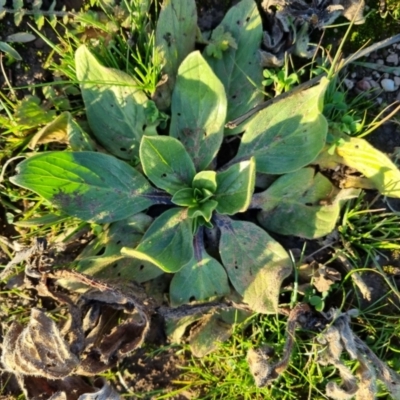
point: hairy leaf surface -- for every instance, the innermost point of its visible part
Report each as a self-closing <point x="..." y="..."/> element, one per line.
<point x="175" y="38"/>
<point x="92" y="186"/>
<point x="302" y="203"/>
<point x="102" y="257"/>
<point x="255" y="262"/>
<point x="166" y="163"/>
<point x="239" y="68"/>
<point x="287" y="135"/>
<point x="198" y="110"/>
<point x="201" y="279"/>
<point x="114" y="105"/>
<point x="235" y="187"/>
<point x="168" y="243"/>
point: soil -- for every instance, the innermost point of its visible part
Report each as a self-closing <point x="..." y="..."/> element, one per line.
<point x="148" y="372"/>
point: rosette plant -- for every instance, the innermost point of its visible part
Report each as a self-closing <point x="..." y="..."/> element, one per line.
<point x="164" y="198"/>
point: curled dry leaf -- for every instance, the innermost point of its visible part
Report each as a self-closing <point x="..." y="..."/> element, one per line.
<point x="38" y="349"/>
<point x="106" y="323"/>
<point x="104" y="347"/>
<point x="325" y="277"/>
<point x="263" y="370"/>
<point x="337" y="337"/>
<point x="291" y="22"/>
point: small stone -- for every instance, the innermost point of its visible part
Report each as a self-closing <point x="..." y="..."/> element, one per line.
<point x="348" y="83"/>
<point x="363" y="85"/>
<point x="353" y="75"/>
<point x="376" y="75"/>
<point x="380" y="61"/>
<point x="396" y="81"/>
<point x="375" y="84"/>
<point x="379" y="100"/>
<point x="388" y="85"/>
<point x="393" y="59"/>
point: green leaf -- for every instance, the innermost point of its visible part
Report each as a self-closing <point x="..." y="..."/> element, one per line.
<point x="19" y="11"/>
<point x="6" y="48"/>
<point x="114" y="105"/>
<point x="287" y="135"/>
<point x="205" y="180"/>
<point x="168" y="243"/>
<point x="63" y="129"/>
<point x="235" y="187"/>
<point x="175" y="38"/>
<point x="92" y="186"/>
<point x="256" y="263"/>
<point x="357" y="153"/>
<point x="20" y="37"/>
<point x="102" y="257"/>
<point x="201" y="279"/>
<point x="239" y="68"/>
<point x="184" y="198"/>
<point x="166" y="163"/>
<point x="302" y="203"/>
<point x="198" y="110"/>
<point x="203" y="210"/>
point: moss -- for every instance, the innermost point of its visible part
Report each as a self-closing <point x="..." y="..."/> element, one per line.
<point x="374" y="29"/>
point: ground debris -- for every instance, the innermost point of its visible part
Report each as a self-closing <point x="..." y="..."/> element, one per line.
<point x="337" y="337"/>
<point x="263" y="370"/>
<point x="289" y="24"/>
<point x="103" y="325"/>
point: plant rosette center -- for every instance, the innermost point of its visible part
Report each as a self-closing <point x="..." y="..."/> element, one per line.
<point x="199" y="199"/>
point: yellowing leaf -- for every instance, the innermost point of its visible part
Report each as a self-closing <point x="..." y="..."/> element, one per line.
<point x="373" y="164"/>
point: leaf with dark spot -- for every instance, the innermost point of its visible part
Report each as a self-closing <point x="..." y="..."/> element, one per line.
<point x="92" y="186"/>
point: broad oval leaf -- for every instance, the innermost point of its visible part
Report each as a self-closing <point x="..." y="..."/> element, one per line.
<point x="205" y="180"/>
<point x="198" y="110"/>
<point x="102" y="257"/>
<point x="166" y="163"/>
<point x="357" y="153"/>
<point x="168" y="243"/>
<point x="20" y="37"/>
<point x="114" y="105"/>
<point x="287" y="135"/>
<point x="184" y="198"/>
<point x="302" y="203"/>
<point x="175" y="38"/>
<point x="92" y="186"/>
<point x="235" y="187"/>
<point x="255" y="262"/>
<point x="240" y="69"/>
<point x="201" y="279"/>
